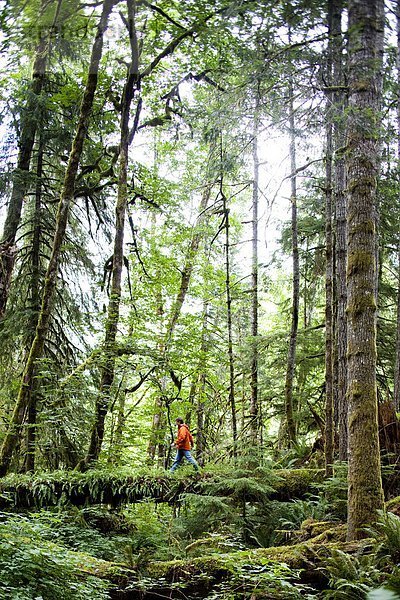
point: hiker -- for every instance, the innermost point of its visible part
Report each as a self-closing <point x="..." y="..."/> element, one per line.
<point x="183" y="443"/>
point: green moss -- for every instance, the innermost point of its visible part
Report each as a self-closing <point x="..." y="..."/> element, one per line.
<point x="363" y="186"/>
<point x="366" y="227"/>
<point x="299" y="556"/>
<point x="359" y="261"/>
<point x="361" y="304"/>
<point x="294" y="483"/>
<point x="393" y="505"/>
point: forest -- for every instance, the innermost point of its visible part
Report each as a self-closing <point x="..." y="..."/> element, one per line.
<point x="199" y="230"/>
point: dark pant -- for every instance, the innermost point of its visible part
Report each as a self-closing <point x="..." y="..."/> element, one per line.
<point x="180" y="455"/>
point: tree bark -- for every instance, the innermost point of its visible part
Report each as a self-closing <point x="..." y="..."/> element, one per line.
<point x="340" y="202"/>
<point x="365" y="496"/>
<point x="329" y="426"/>
<point x="396" y="391"/>
<point x="231" y="357"/>
<point x="200" y="408"/>
<point x="291" y="359"/>
<point x="108" y="367"/>
<point x="254" y="408"/>
<point x="66" y="198"/>
<point x="35" y="310"/>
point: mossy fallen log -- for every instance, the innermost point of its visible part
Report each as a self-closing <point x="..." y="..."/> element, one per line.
<point x="198" y="576"/>
<point x="99" y="487"/>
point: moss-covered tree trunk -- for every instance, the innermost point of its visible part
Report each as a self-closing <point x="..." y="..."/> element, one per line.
<point x="362" y="162"/>
<point x="291" y="358"/>
<point x="111" y="327"/>
<point x="66" y="198"/>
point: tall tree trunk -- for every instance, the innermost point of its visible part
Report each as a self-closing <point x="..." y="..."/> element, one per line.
<point x="35" y="310"/>
<point x="21" y="180"/>
<point x="366" y="23"/>
<point x="200" y="409"/>
<point x="158" y="421"/>
<point x="66" y="198"/>
<point x="340" y="202"/>
<point x="291" y="359"/>
<point x="231" y="358"/>
<point x="254" y="416"/>
<point x="396" y="393"/>
<point x="108" y="366"/>
<point x="329" y="426"/>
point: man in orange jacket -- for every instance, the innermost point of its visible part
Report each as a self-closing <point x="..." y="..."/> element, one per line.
<point x="183" y="443"/>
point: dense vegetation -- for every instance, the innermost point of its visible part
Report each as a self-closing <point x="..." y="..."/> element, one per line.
<point x="199" y="211"/>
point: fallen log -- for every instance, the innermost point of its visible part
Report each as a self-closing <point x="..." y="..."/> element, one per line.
<point x="197" y="577"/>
<point x="103" y="487"/>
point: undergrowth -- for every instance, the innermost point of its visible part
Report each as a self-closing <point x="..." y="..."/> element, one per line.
<point x="31" y="568"/>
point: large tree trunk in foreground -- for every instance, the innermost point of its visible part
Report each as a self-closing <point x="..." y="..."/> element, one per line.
<point x="365" y="495"/>
<point x="66" y="198"/>
<point x="108" y="366"/>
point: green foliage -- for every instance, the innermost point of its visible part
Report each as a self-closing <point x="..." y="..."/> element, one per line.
<point x="335" y="490"/>
<point x="30" y="567"/>
<point x="351" y="577"/>
<point x="300" y="510"/>
<point x="386" y="531"/>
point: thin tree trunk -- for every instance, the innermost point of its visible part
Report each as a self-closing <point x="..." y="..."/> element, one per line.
<point x="158" y="422"/>
<point x="66" y="198"/>
<point x="158" y="417"/>
<point x="108" y="367"/>
<point x="20" y="182"/>
<point x="329" y="426"/>
<point x="365" y="496"/>
<point x="396" y="393"/>
<point x="200" y="409"/>
<point x="189" y="263"/>
<point x="254" y="416"/>
<point x="291" y="359"/>
<point x="231" y="358"/>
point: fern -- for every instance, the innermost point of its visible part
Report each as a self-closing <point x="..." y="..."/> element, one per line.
<point x="387" y="533"/>
<point x="351" y="577"/>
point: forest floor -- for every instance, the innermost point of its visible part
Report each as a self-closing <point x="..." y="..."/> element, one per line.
<point x="223" y="535"/>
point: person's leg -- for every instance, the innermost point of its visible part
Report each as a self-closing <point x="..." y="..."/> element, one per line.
<point x="190" y="459"/>
<point x="178" y="459"/>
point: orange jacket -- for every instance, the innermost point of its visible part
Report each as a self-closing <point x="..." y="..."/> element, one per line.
<point x="184" y="440"/>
